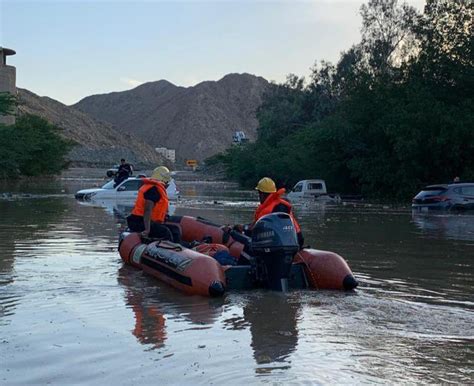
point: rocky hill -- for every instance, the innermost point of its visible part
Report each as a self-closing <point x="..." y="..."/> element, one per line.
<point x="99" y="143"/>
<point x="196" y="121"/>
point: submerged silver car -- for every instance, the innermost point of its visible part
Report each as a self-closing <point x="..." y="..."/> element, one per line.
<point x="458" y="196"/>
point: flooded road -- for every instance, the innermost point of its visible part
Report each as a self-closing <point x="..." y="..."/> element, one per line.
<point x="71" y="313"/>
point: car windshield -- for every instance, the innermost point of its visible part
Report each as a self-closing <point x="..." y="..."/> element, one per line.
<point x="109" y="185"/>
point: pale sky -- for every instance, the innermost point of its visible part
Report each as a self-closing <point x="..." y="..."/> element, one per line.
<point x="70" y="49"/>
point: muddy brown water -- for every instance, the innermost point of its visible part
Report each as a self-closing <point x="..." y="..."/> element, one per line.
<point x="71" y="313"/>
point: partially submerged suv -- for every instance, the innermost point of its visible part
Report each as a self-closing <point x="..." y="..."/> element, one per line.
<point x="127" y="189"/>
<point x="458" y="196"/>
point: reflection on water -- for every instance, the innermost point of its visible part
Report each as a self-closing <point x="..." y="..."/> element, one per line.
<point x="152" y="303"/>
<point x="274" y="337"/>
<point x="446" y="226"/>
<point x="118" y="208"/>
<point x="68" y="303"/>
<point x="150" y="321"/>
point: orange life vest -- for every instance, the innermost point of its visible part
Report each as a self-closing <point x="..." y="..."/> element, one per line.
<point x="161" y="207"/>
<point x="269" y="204"/>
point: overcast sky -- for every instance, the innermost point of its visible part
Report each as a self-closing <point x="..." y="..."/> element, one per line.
<point x="70" y="49"/>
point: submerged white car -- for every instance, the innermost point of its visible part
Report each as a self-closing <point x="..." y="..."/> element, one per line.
<point x="126" y="190"/>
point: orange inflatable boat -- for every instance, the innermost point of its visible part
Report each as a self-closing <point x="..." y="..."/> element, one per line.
<point x="220" y="261"/>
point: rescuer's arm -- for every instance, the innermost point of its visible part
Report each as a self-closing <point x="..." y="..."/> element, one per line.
<point x="152" y="196"/>
<point x="147" y="217"/>
<point x="300" y="239"/>
<point x="247" y="228"/>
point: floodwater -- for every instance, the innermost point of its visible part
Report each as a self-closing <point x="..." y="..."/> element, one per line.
<point x="71" y="313"/>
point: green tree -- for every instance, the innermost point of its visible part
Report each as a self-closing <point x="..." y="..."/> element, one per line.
<point x="282" y="111"/>
<point x="45" y="149"/>
<point x="387" y="34"/>
<point x="32" y="147"/>
<point x="393" y="114"/>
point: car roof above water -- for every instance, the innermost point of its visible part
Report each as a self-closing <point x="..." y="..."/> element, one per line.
<point x="447" y="186"/>
<point x="436" y="187"/>
<point x="462" y="184"/>
<point x="310" y="181"/>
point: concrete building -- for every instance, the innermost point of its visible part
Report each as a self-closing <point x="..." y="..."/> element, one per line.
<point x="169" y="154"/>
<point x="7" y="81"/>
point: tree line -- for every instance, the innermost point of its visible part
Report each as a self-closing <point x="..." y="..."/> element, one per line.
<point x="30" y="147"/>
<point x="393" y="114"/>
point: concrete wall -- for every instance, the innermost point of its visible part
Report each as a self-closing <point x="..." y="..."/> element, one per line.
<point x="7" y="84"/>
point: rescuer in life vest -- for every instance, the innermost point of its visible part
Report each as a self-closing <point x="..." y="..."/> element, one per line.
<point x="271" y="201"/>
<point x="151" y="207"/>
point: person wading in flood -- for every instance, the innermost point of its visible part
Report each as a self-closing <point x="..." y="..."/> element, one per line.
<point x="271" y="201"/>
<point x="151" y="207"/>
<point x="124" y="171"/>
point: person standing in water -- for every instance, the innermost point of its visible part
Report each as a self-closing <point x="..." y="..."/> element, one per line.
<point x="124" y="171"/>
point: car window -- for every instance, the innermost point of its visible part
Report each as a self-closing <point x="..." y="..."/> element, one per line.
<point x="315" y="186"/>
<point x="468" y="190"/>
<point x="132" y="185"/>
<point x="435" y="187"/>
<point x="109" y="185"/>
<point x="434" y="190"/>
<point x="298" y="188"/>
<point x="457" y="190"/>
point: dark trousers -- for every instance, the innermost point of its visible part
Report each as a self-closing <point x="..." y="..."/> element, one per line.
<point x="119" y="179"/>
<point x="157" y="230"/>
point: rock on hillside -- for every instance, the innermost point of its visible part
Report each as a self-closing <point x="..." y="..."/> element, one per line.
<point x="196" y="121"/>
<point x="99" y="143"/>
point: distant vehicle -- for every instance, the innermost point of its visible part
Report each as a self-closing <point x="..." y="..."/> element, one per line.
<point x="311" y="189"/>
<point x="128" y="189"/>
<point x="239" y="138"/>
<point x="458" y="196"/>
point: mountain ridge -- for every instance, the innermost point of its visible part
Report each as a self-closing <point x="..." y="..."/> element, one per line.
<point x="167" y="82"/>
<point x="197" y="121"/>
<point x="98" y="143"/>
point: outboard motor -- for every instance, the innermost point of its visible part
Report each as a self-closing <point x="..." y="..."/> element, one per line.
<point x="274" y="244"/>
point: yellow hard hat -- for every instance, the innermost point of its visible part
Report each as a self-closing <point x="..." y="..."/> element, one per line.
<point x="161" y="173"/>
<point x="266" y="185"/>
